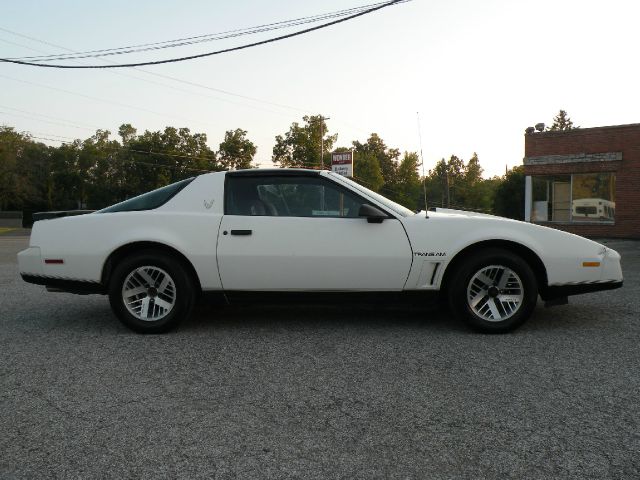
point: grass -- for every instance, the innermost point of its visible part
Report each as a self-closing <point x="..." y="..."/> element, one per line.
<point x="6" y="229"/>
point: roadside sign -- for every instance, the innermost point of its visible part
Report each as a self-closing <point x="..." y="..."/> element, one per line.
<point x="342" y="163"/>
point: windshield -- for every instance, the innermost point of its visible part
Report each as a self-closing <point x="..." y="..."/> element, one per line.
<point x="396" y="207"/>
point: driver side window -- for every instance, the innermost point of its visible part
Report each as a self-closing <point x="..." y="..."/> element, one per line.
<point x="289" y="196"/>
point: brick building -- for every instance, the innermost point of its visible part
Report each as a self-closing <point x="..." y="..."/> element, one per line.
<point x="585" y="181"/>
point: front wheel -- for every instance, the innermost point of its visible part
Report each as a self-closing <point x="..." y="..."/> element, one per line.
<point x="494" y="291"/>
<point x="151" y="292"/>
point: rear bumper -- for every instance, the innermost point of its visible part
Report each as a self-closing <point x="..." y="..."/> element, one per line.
<point x="30" y="261"/>
<point x="560" y="291"/>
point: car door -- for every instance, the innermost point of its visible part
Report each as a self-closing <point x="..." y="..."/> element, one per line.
<point x="302" y="233"/>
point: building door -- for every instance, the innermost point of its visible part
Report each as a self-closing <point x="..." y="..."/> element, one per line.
<point x="561" y="202"/>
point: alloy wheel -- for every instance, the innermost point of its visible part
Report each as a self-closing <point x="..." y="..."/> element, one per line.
<point x="149" y="293"/>
<point x="495" y="293"/>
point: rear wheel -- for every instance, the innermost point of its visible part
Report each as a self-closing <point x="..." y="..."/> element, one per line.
<point x="151" y="292"/>
<point x="494" y="291"/>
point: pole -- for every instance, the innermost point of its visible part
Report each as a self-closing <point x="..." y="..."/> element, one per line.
<point x="322" y="119"/>
<point x="424" y="177"/>
<point x="321" y="146"/>
<point x="446" y="176"/>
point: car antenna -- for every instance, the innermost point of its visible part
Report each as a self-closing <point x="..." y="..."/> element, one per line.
<point x="424" y="178"/>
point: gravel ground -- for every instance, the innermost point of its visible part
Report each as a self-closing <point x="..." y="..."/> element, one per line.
<point x="317" y="392"/>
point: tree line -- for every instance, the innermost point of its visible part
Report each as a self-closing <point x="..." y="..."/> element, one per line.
<point x="452" y="183"/>
<point x="102" y="170"/>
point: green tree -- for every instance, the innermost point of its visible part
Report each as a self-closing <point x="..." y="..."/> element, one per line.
<point x="11" y="147"/>
<point x="23" y="167"/>
<point x="99" y="170"/>
<point x="561" y="122"/>
<point x="476" y="193"/>
<point x="456" y="174"/>
<point x="127" y="133"/>
<point x="473" y="170"/>
<point x="154" y="159"/>
<point x="449" y="177"/>
<point x="454" y="184"/>
<point x="408" y="184"/>
<point x="63" y="176"/>
<point x="509" y="194"/>
<point x="236" y="150"/>
<point x="302" y="144"/>
<point x="101" y="157"/>
<point x="387" y="159"/>
<point x="366" y="170"/>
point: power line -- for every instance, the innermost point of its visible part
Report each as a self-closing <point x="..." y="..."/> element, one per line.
<point x="198" y="39"/>
<point x="49" y="134"/>
<point x="43" y="138"/>
<point x="208" y="54"/>
<point x="18" y="44"/>
<point x="226" y="92"/>
<point x="168" y="77"/>
<point x="70" y="122"/>
<point x="30" y="116"/>
<point x="186" y="82"/>
<point x="112" y="102"/>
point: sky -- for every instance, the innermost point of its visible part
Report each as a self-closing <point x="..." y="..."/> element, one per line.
<point x="451" y="76"/>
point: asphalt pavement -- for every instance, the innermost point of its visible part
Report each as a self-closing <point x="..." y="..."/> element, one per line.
<point x="318" y="392"/>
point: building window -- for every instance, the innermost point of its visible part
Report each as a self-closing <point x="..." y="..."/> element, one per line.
<point x="593" y="197"/>
<point x="577" y="198"/>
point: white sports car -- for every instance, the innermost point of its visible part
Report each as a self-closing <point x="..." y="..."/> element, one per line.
<point x="286" y="231"/>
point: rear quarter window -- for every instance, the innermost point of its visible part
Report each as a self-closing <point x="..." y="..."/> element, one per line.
<point x="149" y="200"/>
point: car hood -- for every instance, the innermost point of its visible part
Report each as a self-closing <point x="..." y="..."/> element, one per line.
<point x="467" y="224"/>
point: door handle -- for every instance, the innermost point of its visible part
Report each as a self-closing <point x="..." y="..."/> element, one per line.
<point x="241" y="232"/>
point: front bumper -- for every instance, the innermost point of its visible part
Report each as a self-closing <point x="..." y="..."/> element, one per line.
<point x="584" y="278"/>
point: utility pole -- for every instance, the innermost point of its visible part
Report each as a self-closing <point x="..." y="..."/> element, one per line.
<point x="322" y="119"/>
<point x="448" y="191"/>
<point x="424" y="177"/>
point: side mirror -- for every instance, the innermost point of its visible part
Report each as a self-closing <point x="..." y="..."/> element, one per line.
<point x="373" y="214"/>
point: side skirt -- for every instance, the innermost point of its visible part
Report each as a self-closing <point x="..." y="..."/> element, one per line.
<point x="411" y="298"/>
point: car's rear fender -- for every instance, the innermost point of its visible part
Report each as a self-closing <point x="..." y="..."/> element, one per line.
<point x="145" y="246"/>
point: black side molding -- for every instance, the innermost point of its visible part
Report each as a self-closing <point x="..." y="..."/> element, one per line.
<point x="416" y="298"/>
<point x="70" y="286"/>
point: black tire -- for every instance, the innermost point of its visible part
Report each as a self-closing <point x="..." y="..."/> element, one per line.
<point x="168" y="302"/>
<point x="493" y="309"/>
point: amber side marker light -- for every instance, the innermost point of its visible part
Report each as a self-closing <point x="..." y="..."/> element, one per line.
<point x="590" y="264"/>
